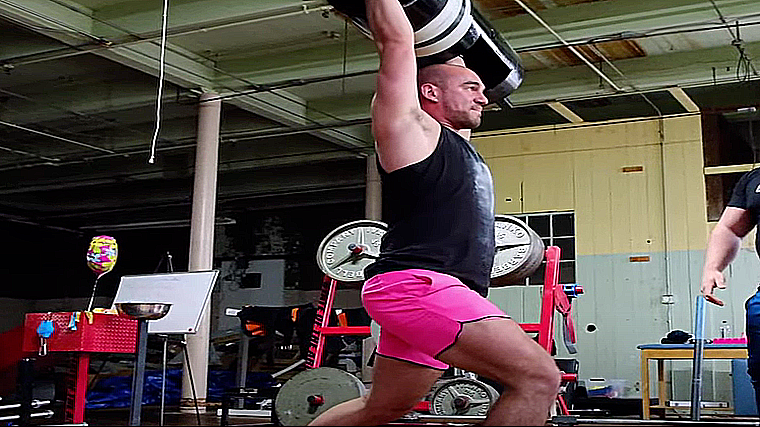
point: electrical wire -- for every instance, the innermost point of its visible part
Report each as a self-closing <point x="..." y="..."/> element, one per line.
<point x="161" y="70"/>
<point x="744" y="67"/>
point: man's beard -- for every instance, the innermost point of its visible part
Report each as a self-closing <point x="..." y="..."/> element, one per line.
<point x="464" y="120"/>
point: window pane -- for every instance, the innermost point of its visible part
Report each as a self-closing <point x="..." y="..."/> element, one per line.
<point x="539" y="224"/>
<point x="567" y="272"/>
<point x="537" y="278"/>
<point x="567" y="245"/>
<point x="563" y="225"/>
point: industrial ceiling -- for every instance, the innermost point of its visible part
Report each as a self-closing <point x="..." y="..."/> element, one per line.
<point x="79" y="85"/>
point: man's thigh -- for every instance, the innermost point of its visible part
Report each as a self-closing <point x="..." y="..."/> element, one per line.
<point x="399" y="385"/>
<point x="497" y="348"/>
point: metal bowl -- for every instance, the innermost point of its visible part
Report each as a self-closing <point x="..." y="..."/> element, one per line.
<point x="143" y="310"/>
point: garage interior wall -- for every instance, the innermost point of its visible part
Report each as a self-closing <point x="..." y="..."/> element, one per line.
<point x="637" y="190"/>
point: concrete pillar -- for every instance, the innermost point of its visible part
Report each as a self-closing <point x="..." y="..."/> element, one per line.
<point x="373" y="205"/>
<point x="202" y="244"/>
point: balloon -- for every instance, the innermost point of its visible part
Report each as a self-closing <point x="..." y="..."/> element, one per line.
<point x="101" y="257"/>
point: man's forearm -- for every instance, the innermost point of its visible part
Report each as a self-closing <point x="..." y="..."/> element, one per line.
<point x="722" y="249"/>
<point x="389" y="23"/>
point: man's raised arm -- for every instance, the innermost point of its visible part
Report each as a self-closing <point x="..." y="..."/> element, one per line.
<point x="397" y="118"/>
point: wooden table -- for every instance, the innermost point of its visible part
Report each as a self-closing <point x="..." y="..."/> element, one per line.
<point x="663" y="352"/>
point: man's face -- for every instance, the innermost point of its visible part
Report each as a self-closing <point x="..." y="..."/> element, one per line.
<point x="462" y="98"/>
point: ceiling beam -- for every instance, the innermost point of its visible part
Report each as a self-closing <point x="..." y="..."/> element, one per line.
<point x="183" y="68"/>
<point x="565" y="112"/>
<point x="684" y="99"/>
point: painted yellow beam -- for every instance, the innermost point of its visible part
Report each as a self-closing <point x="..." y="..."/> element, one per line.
<point x="565" y="112"/>
<point x="718" y="170"/>
<point x="684" y="99"/>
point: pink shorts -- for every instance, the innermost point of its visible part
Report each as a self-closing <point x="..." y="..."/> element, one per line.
<point x="421" y="313"/>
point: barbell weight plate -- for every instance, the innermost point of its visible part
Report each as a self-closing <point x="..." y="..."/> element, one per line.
<point x="348" y="249"/>
<point x="462" y="396"/>
<point x="302" y="398"/>
<point x="519" y="251"/>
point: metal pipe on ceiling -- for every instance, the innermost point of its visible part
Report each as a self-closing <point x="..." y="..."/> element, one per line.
<point x="227" y="137"/>
<point x="51" y="160"/>
<point x="77" y="114"/>
<point x="607" y="61"/>
<point x="59" y="138"/>
<point x="568" y="45"/>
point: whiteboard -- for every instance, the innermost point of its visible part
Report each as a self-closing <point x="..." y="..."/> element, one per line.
<point x="187" y="292"/>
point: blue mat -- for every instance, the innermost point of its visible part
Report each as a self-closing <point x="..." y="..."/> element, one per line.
<point x="116" y="392"/>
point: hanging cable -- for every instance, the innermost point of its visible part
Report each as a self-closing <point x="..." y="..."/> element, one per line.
<point x="744" y="67"/>
<point x="161" y="70"/>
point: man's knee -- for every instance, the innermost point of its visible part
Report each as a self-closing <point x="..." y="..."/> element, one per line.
<point x="540" y="377"/>
<point x="387" y="412"/>
<point x="546" y="377"/>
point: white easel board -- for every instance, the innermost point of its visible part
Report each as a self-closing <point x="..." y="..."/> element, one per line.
<point x="188" y="294"/>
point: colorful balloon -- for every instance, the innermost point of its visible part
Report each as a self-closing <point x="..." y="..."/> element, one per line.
<point x="101" y="257"/>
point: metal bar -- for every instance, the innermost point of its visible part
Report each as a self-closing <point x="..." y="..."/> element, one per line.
<point x="242" y="374"/>
<point x="33" y="404"/>
<point x="345" y="330"/>
<point x="46" y="414"/>
<point x="26" y="381"/>
<point x="70" y="141"/>
<point x="163" y="378"/>
<point x="699" y="353"/>
<point x="289" y="368"/>
<point x="138" y="373"/>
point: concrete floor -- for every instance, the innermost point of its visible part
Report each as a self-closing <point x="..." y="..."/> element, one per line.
<point x="150" y="416"/>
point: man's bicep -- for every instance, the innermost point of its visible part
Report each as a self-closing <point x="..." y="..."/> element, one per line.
<point x="737" y="220"/>
<point x="396" y="89"/>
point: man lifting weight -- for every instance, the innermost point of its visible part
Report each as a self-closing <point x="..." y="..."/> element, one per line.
<point x="427" y="290"/>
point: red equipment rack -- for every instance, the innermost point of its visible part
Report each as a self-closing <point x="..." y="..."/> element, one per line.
<point x="555" y="296"/>
<point x="94" y="333"/>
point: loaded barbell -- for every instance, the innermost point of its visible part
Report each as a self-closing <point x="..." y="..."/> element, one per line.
<point x="445" y="29"/>
<point x="348" y="249"/>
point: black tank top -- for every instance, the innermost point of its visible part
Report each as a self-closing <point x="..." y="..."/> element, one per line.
<point x="440" y="215"/>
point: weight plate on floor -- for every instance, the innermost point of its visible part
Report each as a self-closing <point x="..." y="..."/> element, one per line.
<point x="519" y="251"/>
<point x="462" y="396"/>
<point x="302" y="398"/>
<point x="347" y="250"/>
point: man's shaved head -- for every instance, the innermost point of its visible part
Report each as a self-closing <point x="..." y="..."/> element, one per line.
<point x="452" y="93"/>
<point x="437" y="74"/>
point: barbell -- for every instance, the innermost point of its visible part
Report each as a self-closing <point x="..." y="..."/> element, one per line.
<point x="348" y="249"/>
<point x="445" y="29"/>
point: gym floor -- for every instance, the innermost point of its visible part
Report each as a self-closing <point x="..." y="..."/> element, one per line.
<point x="150" y="417"/>
<point x="172" y="417"/>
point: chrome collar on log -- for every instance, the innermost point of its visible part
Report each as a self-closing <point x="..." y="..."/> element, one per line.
<point x="444" y="29"/>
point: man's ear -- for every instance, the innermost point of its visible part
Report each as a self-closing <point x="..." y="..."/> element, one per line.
<point x="429" y="91"/>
